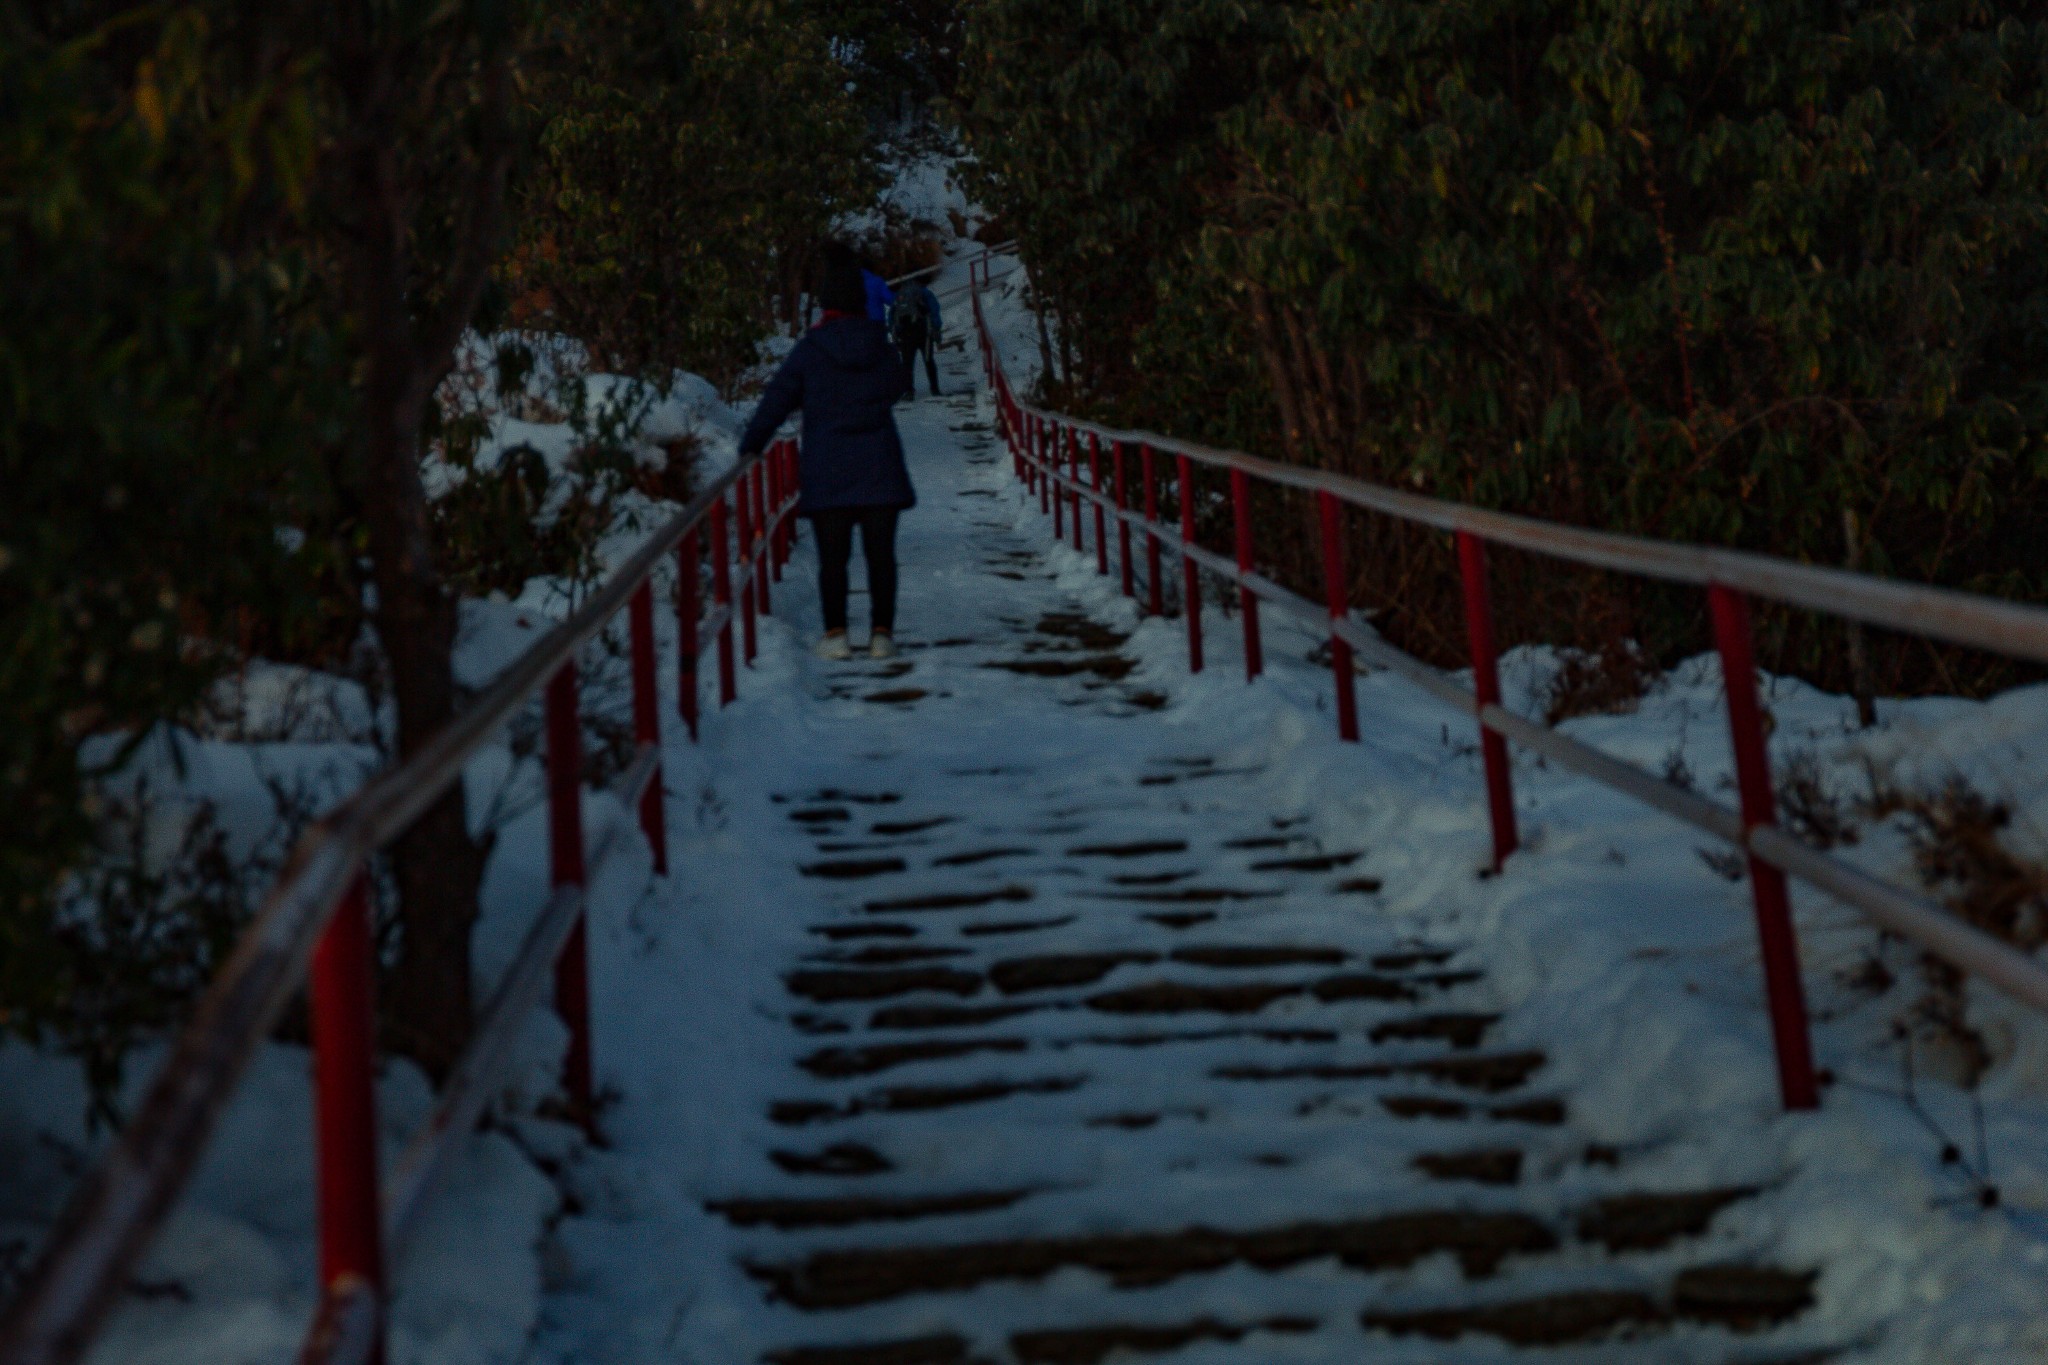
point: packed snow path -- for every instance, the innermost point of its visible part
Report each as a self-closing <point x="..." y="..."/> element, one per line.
<point x="1016" y="1020"/>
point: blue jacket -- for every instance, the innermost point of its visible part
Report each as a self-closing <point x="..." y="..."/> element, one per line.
<point x="880" y="296"/>
<point x="931" y="306"/>
<point x="845" y="378"/>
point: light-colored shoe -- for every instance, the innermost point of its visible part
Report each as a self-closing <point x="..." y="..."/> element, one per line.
<point x="882" y="646"/>
<point x="834" y="649"/>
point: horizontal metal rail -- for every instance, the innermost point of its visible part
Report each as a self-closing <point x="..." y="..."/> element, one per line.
<point x="118" y="1205"/>
<point x="1005" y="249"/>
<point x="2010" y="628"/>
<point x="427" y="1157"/>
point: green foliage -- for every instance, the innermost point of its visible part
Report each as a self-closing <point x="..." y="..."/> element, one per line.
<point x="162" y="383"/>
<point x="146" y="924"/>
<point x="687" y="161"/>
<point x="242" y="243"/>
<point x="899" y="54"/>
<point x="510" y="517"/>
<point x="1706" y="271"/>
<point x="1094" y="133"/>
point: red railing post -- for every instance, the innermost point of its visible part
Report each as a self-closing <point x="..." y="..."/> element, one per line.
<point x="1247" y="600"/>
<point x="1190" y="573"/>
<point x="792" y="492"/>
<point x="1073" y="449"/>
<point x="1006" y="415"/>
<point x="689" y="603"/>
<point x="771" y="520"/>
<point x="743" y="557"/>
<point x="1101" y="520"/>
<point x="1493" y="749"/>
<point x="791" y="496"/>
<point x="344" y="1024"/>
<point x="1054" y="435"/>
<point x="774" y="474"/>
<point x="1337" y="593"/>
<point x="1123" y="527"/>
<point x="565" y="868"/>
<point x="1783" y="989"/>
<point x="757" y="484"/>
<point x="1155" y="591"/>
<point x="721" y="596"/>
<point x="647" y="720"/>
<point x="1039" y="469"/>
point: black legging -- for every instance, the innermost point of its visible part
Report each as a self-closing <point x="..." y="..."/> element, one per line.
<point x="915" y="342"/>
<point x="834" y="528"/>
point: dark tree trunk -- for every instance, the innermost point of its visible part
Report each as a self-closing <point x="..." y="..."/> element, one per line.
<point x="437" y="865"/>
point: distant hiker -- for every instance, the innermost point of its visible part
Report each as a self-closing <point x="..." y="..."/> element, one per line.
<point x="845" y="377"/>
<point x="914" y="322"/>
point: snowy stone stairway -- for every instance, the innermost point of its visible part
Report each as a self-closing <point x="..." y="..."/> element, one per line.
<point x="1128" y="1114"/>
<point x="1027" y="1016"/>
<point x="1093" y="1053"/>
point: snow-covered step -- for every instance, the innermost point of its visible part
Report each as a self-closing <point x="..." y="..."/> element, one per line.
<point x="1055" y="1024"/>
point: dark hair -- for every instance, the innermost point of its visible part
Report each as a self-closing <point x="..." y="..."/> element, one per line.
<point x="841" y="288"/>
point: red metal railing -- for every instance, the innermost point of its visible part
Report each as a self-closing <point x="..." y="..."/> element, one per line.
<point x="314" y="930"/>
<point x="1728" y="577"/>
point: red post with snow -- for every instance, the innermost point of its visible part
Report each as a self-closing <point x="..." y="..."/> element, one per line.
<point x="1123" y="527"/>
<point x="1337" y="594"/>
<point x="1095" y="482"/>
<point x="1783" y="990"/>
<point x="743" y="557"/>
<point x="1247" y="600"/>
<point x="689" y="601"/>
<point x="647" y="719"/>
<point x="1073" y="452"/>
<point x="1040" y="475"/>
<point x="1155" y="591"/>
<point x="1493" y="749"/>
<point x="344" y="1020"/>
<point x="721" y="598"/>
<point x="757" y="552"/>
<point x="1190" y="573"/>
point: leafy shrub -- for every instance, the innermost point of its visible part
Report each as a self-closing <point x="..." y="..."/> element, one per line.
<point x="169" y="395"/>
<point x="688" y="161"/>
<point x="1695" y="270"/>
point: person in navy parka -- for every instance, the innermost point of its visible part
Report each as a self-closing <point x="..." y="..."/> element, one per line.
<point x="845" y="377"/>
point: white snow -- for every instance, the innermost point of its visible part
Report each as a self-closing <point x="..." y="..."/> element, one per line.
<point x="1609" y="943"/>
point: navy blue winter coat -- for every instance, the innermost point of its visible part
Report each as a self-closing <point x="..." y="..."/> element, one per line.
<point x="845" y="378"/>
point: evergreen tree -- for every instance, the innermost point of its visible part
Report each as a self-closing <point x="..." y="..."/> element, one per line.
<point x="169" y="392"/>
<point x="1688" y="269"/>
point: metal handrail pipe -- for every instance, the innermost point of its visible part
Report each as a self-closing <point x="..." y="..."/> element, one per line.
<point x="2005" y="627"/>
<point x="119" y="1204"/>
<point x="1926" y="924"/>
<point x="108" y="1221"/>
<point x="419" y="1169"/>
<point x="2023" y="978"/>
<point x="1005" y="249"/>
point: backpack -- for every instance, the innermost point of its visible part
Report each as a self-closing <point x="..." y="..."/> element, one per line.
<point x="906" y="315"/>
